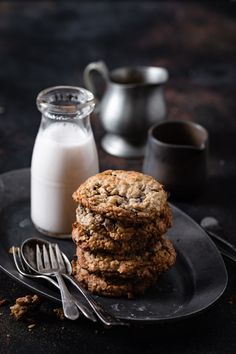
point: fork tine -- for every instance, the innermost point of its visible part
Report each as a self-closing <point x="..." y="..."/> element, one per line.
<point x="53" y="257"/>
<point x="18" y="260"/>
<point x="14" y="253"/>
<point x="39" y="261"/>
<point x="46" y="260"/>
<point x="60" y="259"/>
<point x="21" y="260"/>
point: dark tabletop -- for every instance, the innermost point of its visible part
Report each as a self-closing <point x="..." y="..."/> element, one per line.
<point x="48" y="43"/>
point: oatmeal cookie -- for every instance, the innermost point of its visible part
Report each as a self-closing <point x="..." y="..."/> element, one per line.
<point x="113" y="287"/>
<point x="124" y="195"/>
<point x="95" y="242"/>
<point x="158" y="260"/>
<point x="121" y="230"/>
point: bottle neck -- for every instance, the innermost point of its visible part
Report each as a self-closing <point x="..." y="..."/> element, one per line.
<point x="65" y="103"/>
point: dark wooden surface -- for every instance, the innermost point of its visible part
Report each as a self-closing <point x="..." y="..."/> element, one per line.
<point x="47" y="43"/>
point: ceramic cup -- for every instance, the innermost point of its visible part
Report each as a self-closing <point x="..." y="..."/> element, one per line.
<point x="176" y="155"/>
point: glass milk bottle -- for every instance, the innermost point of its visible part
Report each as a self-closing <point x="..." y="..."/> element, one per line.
<point x="64" y="155"/>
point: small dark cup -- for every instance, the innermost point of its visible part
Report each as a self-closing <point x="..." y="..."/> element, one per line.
<point x="176" y="155"/>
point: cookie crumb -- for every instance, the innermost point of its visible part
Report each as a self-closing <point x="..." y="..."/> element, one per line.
<point x="31" y="326"/>
<point x="232" y="300"/>
<point x="3" y="302"/>
<point x="59" y="313"/>
<point x="10" y="250"/>
<point x="24" y="306"/>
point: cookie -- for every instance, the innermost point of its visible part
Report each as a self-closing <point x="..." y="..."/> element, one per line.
<point x="95" y="242"/>
<point x="124" y="195"/>
<point x="100" y="285"/>
<point x="157" y="260"/>
<point x="121" y="230"/>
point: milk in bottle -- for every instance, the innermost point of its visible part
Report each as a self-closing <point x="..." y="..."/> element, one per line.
<point x="64" y="155"/>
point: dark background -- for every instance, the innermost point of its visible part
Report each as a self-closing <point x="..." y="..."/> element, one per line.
<point x="46" y="43"/>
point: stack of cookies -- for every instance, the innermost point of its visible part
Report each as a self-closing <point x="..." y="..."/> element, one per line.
<point x="121" y="220"/>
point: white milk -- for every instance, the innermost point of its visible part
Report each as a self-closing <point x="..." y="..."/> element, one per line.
<point x="63" y="157"/>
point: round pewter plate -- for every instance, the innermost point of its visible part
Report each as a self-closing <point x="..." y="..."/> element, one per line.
<point x="196" y="281"/>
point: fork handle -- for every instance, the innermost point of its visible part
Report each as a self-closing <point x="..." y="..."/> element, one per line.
<point x="85" y="310"/>
<point x="107" y="318"/>
<point x="68" y="304"/>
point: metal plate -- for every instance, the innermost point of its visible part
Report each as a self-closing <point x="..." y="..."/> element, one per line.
<point x="196" y="281"/>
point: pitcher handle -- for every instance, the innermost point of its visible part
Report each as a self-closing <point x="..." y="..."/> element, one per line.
<point x="101" y="68"/>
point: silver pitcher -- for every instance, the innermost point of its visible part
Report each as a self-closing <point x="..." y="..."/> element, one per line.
<point x="133" y="101"/>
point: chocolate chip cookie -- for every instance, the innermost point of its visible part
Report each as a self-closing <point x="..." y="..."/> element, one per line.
<point x="157" y="260"/>
<point x="123" y="195"/>
<point x="91" y="241"/>
<point x="121" y="219"/>
<point x="120" y="230"/>
<point x="113" y="287"/>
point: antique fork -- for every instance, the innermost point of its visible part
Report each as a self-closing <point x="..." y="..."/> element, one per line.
<point x="26" y="271"/>
<point x="59" y="265"/>
<point x="47" y="264"/>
